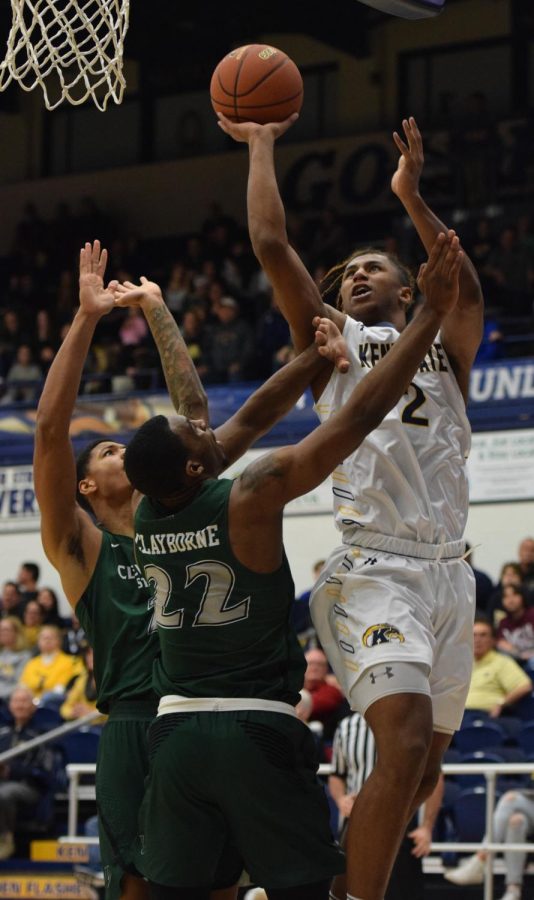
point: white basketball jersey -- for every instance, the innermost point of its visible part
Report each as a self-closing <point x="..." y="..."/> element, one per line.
<point x="408" y="478"/>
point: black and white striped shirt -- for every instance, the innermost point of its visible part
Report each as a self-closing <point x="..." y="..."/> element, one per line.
<point x="353" y="752"/>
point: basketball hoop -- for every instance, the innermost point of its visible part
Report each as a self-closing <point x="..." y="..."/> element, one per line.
<point x="73" y="49"/>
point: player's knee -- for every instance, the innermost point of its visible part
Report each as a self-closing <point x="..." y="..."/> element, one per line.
<point x="427" y="785"/>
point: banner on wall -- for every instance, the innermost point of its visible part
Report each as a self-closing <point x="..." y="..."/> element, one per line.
<point x="501" y="466"/>
<point x="18" y="506"/>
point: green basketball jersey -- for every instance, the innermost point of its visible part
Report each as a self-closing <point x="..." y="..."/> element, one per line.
<point x="224" y="631"/>
<point x="116" y="611"/>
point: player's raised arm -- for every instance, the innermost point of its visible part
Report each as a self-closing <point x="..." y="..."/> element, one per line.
<point x="70" y="539"/>
<point x="274" y="399"/>
<point x="296" y="292"/>
<point x="461" y="331"/>
<point x="185" y="388"/>
<point x="290" y="472"/>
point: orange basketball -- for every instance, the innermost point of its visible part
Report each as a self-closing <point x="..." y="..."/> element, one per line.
<point x="256" y="83"/>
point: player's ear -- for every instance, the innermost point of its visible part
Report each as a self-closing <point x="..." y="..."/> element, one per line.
<point x="193" y="468"/>
<point x="86" y="487"/>
<point x="405" y="297"/>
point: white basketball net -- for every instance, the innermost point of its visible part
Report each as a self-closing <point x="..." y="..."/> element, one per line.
<point x="73" y="49"/>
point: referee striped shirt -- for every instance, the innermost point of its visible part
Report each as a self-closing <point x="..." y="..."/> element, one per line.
<point x="353" y="752"/>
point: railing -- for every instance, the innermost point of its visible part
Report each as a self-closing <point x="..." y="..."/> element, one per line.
<point x="490" y="772"/>
<point x="49" y="736"/>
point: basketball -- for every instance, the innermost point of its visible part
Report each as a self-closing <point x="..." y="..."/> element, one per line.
<point x="256" y="83"/>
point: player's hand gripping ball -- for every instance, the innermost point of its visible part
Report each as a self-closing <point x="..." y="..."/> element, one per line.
<point x="256" y="83"/>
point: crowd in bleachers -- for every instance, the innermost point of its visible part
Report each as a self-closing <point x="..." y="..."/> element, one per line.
<point x="218" y="294"/>
<point x="46" y="679"/>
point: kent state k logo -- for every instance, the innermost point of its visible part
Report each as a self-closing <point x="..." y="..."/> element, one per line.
<point x="381" y="634"/>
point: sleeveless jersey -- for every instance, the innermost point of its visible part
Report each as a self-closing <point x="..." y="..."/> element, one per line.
<point x="116" y="613"/>
<point x="224" y="630"/>
<point x="408" y="478"/>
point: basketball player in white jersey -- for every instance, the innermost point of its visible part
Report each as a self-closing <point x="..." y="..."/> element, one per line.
<point x="394" y="605"/>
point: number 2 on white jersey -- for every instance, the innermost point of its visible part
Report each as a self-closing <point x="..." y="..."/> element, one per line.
<point x="408" y="416"/>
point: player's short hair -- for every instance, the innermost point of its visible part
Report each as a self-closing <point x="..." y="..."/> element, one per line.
<point x="155" y="459"/>
<point x="330" y="284"/>
<point x="82" y="468"/>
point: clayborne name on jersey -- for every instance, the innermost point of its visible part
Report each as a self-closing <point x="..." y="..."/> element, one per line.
<point x="177" y="542"/>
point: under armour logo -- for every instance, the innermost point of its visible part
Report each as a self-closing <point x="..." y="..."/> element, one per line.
<point x="388" y="672"/>
<point x="371" y="560"/>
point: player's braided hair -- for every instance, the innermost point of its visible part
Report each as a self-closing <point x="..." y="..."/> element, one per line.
<point x="330" y="284"/>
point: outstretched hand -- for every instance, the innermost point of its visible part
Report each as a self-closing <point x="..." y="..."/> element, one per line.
<point x="94" y="297"/>
<point x="330" y="343"/>
<point x="405" y="181"/>
<point x="245" y="131"/>
<point x="438" y="279"/>
<point x="130" y="294"/>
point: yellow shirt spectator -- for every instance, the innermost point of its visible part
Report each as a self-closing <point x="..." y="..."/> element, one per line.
<point x="494" y="677"/>
<point x="52" y="670"/>
<point x="81" y="697"/>
<point x="32" y="622"/>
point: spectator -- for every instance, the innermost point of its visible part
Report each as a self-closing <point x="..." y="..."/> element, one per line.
<point x="75" y="638"/>
<point x="497" y="682"/>
<point x="44" y="334"/>
<point x="11" y="600"/>
<point x="491" y="345"/>
<point x="511" y="269"/>
<point x="510" y="574"/>
<point x="134" y="329"/>
<point x="27" y="578"/>
<point x="513" y="823"/>
<point x="52" y="670"/>
<point x="178" y="289"/>
<point x="328" y="702"/>
<point x="32" y="621"/>
<point x="230" y="345"/>
<point x="192" y="329"/>
<point x="353" y="759"/>
<point x="24" y="369"/>
<point x="515" y="634"/>
<point x="81" y="697"/>
<point x="526" y="562"/>
<point x="47" y="600"/>
<point x="272" y="333"/>
<point x="13" y="655"/>
<point x="11" y="337"/>
<point x="23" y="779"/>
<point x="480" y="246"/>
<point x="484" y="584"/>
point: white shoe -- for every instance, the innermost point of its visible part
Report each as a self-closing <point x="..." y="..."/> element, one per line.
<point x="512" y="893"/>
<point x="470" y="871"/>
<point x="256" y="894"/>
<point x="7" y="845"/>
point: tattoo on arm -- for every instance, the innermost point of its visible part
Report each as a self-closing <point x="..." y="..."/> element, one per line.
<point x="184" y="385"/>
<point x="254" y="475"/>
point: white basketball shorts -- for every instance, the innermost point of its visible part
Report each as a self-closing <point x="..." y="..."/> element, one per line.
<point x="377" y="606"/>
